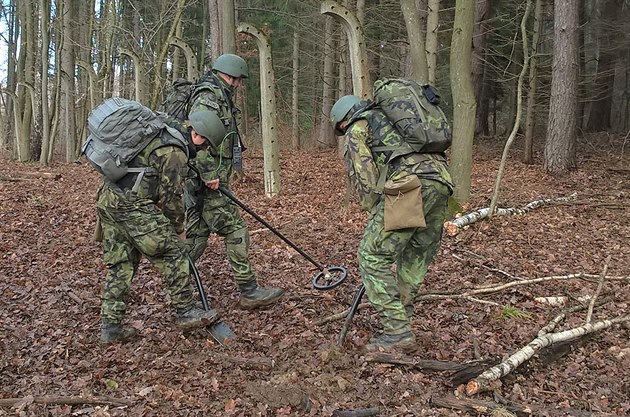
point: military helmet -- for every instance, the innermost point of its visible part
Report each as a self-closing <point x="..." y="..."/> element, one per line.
<point x="208" y="124"/>
<point x="340" y="110"/>
<point x="232" y="65"/>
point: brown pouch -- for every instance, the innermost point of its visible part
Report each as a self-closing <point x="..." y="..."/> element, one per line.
<point x="403" y="203"/>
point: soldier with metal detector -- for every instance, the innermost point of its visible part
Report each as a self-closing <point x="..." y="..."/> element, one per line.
<point x="405" y="191"/>
<point x="207" y="209"/>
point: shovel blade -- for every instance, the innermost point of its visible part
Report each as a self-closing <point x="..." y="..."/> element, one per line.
<point x="221" y="333"/>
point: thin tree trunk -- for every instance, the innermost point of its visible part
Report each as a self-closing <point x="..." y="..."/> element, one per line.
<point x="415" y="36"/>
<point x="227" y="24"/>
<point x="215" y="29"/>
<point x="326" y="137"/>
<point x="480" y="45"/>
<point x="463" y="99"/>
<point x="44" y="11"/>
<point x="68" y="79"/>
<point x="432" y="38"/>
<point x="295" y="127"/>
<point x="530" y="122"/>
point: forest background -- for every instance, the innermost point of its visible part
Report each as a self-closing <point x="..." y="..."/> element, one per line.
<point x="493" y="61"/>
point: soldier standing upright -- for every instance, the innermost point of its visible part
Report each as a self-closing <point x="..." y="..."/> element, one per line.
<point x="208" y="210"/>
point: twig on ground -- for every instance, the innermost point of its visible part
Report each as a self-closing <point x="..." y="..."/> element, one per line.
<point x="600" y="285"/>
<point x="479" y="407"/>
<point x="338" y="316"/>
<point x="55" y="400"/>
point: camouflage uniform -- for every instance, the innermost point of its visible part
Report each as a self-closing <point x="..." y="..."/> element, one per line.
<point x="411" y="249"/>
<point x="209" y="211"/>
<point x="146" y="222"/>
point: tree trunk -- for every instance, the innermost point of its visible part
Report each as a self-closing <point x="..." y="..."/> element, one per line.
<point x="559" y="155"/>
<point x="463" y="99"/>
<point x="44" y="17"/>
<point x="326" y="137"/>
<point x="12" y="33"/>
<point x="26" y="76"/>
<point x="295" y="105"/>
<point x="432" y="38"/>
<point x="227" y="24"/>
<point x="481" y="33"/>
<point x="530" y="122"/>
<point x="215" y="29"/>
<point x="599" y="118"/>
<point x="68" y="80"/>
<point x="415" y="37"/>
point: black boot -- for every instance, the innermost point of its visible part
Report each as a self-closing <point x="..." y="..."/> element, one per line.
<point x="114" y="332"/>
<point x="194" y="317"/>
<point x="254" y="296"/>
<point x="405" y="341"/>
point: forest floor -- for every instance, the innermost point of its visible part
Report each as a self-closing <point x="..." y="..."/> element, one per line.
<point x="286" y="364"/>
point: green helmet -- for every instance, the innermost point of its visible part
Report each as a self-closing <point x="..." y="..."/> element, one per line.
<point x="208" y="124"/>
<point x="232" y="65"/>
<point x="340" y="110"/>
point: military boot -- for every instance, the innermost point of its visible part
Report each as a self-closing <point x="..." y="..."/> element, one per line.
<point x="114" y="332"/>
<point x="194" y="317"/>
<point x="254" y="296"/>
<point x="404" y="341"/>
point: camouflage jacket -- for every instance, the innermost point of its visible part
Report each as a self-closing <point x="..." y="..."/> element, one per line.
<point x="161" y="184"/>
<point x="371" y="141"/>
<point x="215" y="94"/>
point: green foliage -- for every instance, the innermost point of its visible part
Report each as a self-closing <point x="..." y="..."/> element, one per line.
<point x="510" y="312"/>
<point x="453" y="208"/>
<point x="111" y="384"/>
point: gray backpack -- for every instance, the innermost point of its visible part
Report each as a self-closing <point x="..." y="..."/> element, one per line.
<point x="119" y="130"/>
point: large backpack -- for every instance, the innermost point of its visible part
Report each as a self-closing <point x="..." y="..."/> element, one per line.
<point x="413" y="109"/>
<point x="180" y="95"/>
<point x="119" y="130"/>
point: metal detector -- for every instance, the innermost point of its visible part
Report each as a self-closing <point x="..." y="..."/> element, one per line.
<point x="328" y="278"/>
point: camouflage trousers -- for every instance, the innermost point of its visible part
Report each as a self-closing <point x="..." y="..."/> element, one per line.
<point x="392" y="293"/>
<point x="219" y="215"/>
<point x="127" y="235"/>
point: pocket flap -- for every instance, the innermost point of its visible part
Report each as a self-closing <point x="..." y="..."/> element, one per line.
<point x="401" y="185"/>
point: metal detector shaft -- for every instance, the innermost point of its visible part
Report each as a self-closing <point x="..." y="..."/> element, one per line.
<point x="351" y="312"/>
<point x="231" y="196"/>
<point x="202" y="292"/>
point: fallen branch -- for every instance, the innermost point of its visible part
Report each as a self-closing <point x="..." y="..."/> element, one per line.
<point x="556" y="320"/>
<point x="338" y="316"/>
<point x="482" y="381"/>
<point x="479" y="407"/>
<point x="363" y="412"/>
<point x="600" y="285"/>
<point x="492" y="288"/>
<point x="56" y="400"/>
<point x="454" y="226"/>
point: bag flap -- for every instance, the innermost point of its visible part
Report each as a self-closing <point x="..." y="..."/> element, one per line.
<point x="402" y="185"/>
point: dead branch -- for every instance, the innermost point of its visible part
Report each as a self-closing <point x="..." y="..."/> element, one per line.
<point x="556" y="320"/>
<point x="600" y="285"/>
<point x="454" y="226"/>
<point x="482" y="381"/>
<point x="492" y="288"/>
<point x="255" y="363"/>
<point x="479" y="407"/>
<point x="31" y="176"/>
<point x="56" y="400"/>
<point x="339" y="316"/>
<point x="362" y="412"/>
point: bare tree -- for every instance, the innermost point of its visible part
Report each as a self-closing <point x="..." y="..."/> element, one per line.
<point x="415" y="35"/>
<point x="433" y="25"/>
<point x="530" y="122"/>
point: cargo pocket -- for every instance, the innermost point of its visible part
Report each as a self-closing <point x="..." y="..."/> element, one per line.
<point x="403" y="203"/>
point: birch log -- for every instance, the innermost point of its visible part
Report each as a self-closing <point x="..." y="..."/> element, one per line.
<point x="454" y="226"/>
<point x="480" y="383"/>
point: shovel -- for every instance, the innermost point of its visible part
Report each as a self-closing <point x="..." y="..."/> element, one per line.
<point x="219" y="331"/>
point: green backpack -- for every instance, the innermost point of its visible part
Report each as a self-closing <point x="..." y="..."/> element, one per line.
<point x="180" y="95"/>
<point x="119" y="130"/>
<point x="413" y="109"/>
